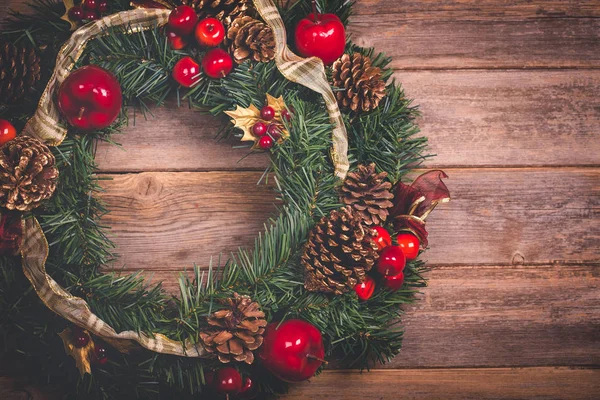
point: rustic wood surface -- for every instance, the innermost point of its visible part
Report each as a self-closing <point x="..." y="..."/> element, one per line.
<point x="509" y="95"/>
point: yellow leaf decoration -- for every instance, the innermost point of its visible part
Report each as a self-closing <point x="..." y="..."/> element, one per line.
<point x="68" y="5"/>
<point x="82" y="355"/>
<point x="245" y="118"/>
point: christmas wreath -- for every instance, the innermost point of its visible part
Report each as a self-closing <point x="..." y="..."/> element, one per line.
<point x="324" y="281"/>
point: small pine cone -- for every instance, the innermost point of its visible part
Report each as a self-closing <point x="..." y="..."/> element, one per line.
<point x="19" y="71"/>
<point x="224" y="10"/>
<point x="235" y="331"/>
<point x="338" y="254"/>
<point x="361" y="85"/>
<point x="368" y="193"/>
<point x="251" y="39"/>
<point x="27" y="173"/>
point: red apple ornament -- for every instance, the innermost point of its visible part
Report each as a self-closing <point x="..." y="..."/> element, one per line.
<point x="321" y="35"/>
<point x="228" y="381"/>
<point x="292" y="351"/>
<point x="186" y="72"/>
<point x="391" y="261"/>
<point x="382" y="238"/>
<point x="365" y="290"/>
<point x="90" y="98"/>
<point x="7" y="132"/>
<point x="209" y="32"/>
<point x="409" y="244"/>
<point x="394" y="282"/>
<point x="183" y="19"/>
<point x="217" y="63"/>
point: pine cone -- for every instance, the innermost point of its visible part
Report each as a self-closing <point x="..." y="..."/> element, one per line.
<point x="27" y="173"/>
<point x="224" y="10"/>
<point x="235" y="331"/>
<point x="368" y="193"/>
<point x="338" y="254"/>
<point x="361" y="85"/>
<point x="19" y="71"/>
<point x="251" y="39"/>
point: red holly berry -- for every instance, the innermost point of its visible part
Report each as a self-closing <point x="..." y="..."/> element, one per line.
<point x="293" y="350"/>
<point x="228" y="381"/>
<point x="210" y="32"/>
<point x="90" y="15"/>
<point x="176" y="41"/>
<point x="183" y="19"/>
<point x="266" y="142"/>
<point x="7" y="132"/>
<point x="90" y="4"/>
<point x="259" y="129"/>
<point x="217" y="63"/>
<point x="80" y="337"/>
<point x="90" y="98"/>
<point x="391" y="261"/>
<point x="286" y="115"/>
<point x="76" y="13"/>
<point x="409" y="244"/>
<point x="274" y="131"/>
<point x="366" y="289"/>
<point x="103" y="6"/>
<point x="100" y="356"/>
<point x="267" y="113"/>
<point x="382" y="238"/>
<point x="394" y="282"/>
<point x="186" y="72"/>
<point x="321" y="35"/>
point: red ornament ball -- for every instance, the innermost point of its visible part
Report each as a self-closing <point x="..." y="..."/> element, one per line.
<point x="103" y="6"/>
<point x="90" y="15"/>
<point x="365" y="290"/>
<point x="391" y="261"/>
<point x="266" y="142"/>
<point x="75" y="13"/>
<point x="80" y="337"/>
<point x="186" y="72"/>
<point x="90" y="98"/>
<point x="210" y="32"/>
<point x="321" y="35"/>
<point x="259" y="129"/>
<point x="394" y="282"/>
<point x="90" y="4"/>
<point x="382" y="238"/>
<point x="7" y="132"/>
<point x="100" y="356"/>
<point x="217" y="63"/>
<point x="267" y="113"/>
<point x="183" y="19"/>
<point x="293" y="350"/>
<point x="409" y="244"/>
<point x="228" y="381"/>
<point x="175" y="40"/>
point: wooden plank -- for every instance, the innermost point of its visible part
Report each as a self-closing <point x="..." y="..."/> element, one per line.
<point x="472" y="118"/>
<point x="452" y="43"/>
<point x="490" y="316"/>
<point x="498" y="216"/>
<point x="497" y="383"/>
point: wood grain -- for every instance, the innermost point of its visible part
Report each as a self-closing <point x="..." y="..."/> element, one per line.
<point x="472" y="118"/>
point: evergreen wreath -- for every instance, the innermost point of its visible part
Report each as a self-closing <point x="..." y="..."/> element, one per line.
<point x="334" y="266"/>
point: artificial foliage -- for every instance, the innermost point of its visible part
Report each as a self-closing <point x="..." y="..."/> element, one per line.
<point x="271" y="273"/>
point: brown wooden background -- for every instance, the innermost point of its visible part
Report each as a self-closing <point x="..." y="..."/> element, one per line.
<point x="510" y="94"/>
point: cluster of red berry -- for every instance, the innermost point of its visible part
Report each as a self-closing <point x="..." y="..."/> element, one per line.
<point x="228" y="381"/>
<point x="81" y="339"/>
<point x="209" y="32"/>
<point x="392" y="260"/>
<point x="269" y="129"/>
<point x="88" y="10"/>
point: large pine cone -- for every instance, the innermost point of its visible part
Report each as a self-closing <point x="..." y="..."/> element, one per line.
<point x="338" y="254"/>
<point x="235" y="331"/>
<point x="361" y="85"/>
<point x="19" y="71"/>
<point x="368" y="193"/>
<point x="251" y="39"/>
<point x="224" y="10"/>
<point x="27" y="173"/>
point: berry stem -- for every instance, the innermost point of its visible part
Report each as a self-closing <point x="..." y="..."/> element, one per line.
<point x="313" y="357"/>
<point x="81" y="111"/>
<point x="314" y="10"/>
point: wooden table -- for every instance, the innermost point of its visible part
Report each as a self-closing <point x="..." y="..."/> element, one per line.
<point x="510" y="95"/>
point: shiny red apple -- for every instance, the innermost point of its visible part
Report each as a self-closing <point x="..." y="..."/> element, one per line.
<point x="183" y="19"/>
<point x="382" y="238"/>
<point x="391" y="261"/>
<point x="90" y="98"/>
<point x="292" y="351"/>
<point x="186" y="72"/>
<point x="7" y="132"/>
<point x="209" y="32"/>
<point x="321" y="35"/>
<point x="394" y="282"/>
<point x="409" y="244"/>
<point x="365" y="290"/>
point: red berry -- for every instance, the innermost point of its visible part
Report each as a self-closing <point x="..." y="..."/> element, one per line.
<point x="90" y="4"/>
<point x="274" y="131"/>
<point x="266" y="142"/>
<point x="7" y="132"/>
<point x="100" y="356"/>
<point x="183" y="19"/>
<point x="210" y="32"/>
<point x="259" y="129"/>
<point x="76" y="13"/>
<point x="249" y="389"/>
<point x="80" y="337"/>
<point x="365" y="290"/>
<point x="186" y="72"/>
<point x="394" y="282"/>
<point x="103" y="6"/>
<point x="391" y="261"/>
<point x="228" y="381"/>
<point x="176" y="41"/>
<point x="409" y="244"/>
<point x="286" y="115"/>
<point x="382" y="238"/>
<point x="217" y="63"/>
<point x="90" y="15"/>
<point x="267" y="113"/>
